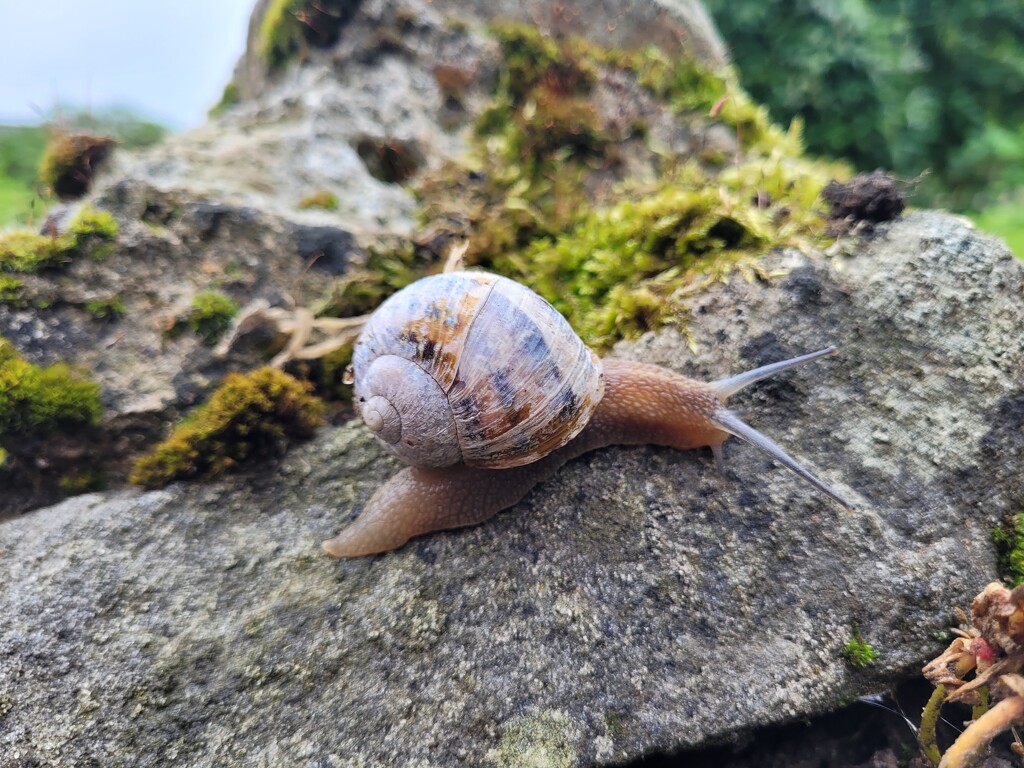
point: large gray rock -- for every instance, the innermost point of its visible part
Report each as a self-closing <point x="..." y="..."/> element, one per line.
<point x="636" y="602"/>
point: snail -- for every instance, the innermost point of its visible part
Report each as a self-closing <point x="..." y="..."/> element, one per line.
<point x="484" y="388"/>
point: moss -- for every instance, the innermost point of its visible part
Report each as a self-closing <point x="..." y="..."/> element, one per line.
<point x="107" y="308"/>
<point x="859" y="652"/>
<point x="323" y="199"/>
<point x="289" y="27"/>
<point x="249" y="416"/>
<point x="1009" y="541"/>
<point x="92" y="223"/>
<point x="389" y="267"/>
<point x="210" y="315"/>
<point x="12" y="291"/>
<point x="43" y="401"/>
<point x="89" y="232"/>
<point x="83" y="480"/>
<point x="541" y="198"/>
<point x="28" y="252"/>
<point x="70" y="160"/>
<point x="280" y="34"/>
<point x="229" y="98"/>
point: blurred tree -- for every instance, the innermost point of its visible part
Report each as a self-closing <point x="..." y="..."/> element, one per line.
<point x="906" y="84"/>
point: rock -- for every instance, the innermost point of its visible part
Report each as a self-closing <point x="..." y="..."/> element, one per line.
<point x="636" y="603"/>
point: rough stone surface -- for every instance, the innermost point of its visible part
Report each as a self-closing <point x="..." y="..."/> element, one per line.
<point x="676" y="25"/>
<point x="637" y="602"/>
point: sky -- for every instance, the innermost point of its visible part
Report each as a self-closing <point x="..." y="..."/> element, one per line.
<point x="167" y="61"/>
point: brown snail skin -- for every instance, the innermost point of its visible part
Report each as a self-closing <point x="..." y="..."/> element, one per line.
<point x="487" y="391"/>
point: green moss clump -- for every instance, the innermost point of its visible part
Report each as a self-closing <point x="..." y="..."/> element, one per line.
<point x="43" y="401"/>
<point x="211" y="315"/>
<point x="12" y="291"/>
<point x="107" y="308"/>
<point x="249" y="416"/>
<point x="1009" y="541"/>
<point x="90" y="222"/>
<point x="90" y="231"/>
<point x="70" y="160"/>
<point x="28" y="252"/>
<point x="859" y="652"/>
<point x="323" y="199"/>
<point x="229" y="98"/>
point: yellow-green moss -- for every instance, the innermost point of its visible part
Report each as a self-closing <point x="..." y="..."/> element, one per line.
<point x="89" y="232"/>
<point x="22" y="251"/>
<point x="249" y="416"/>
<point x="43" y="401"/>
<point x="12" y="291"/>
<point x="280" y="36"/>
<point x="70" y="160"/>
<point x="859" y="652"/>
<point x="231" y="96"/>
<point x="388" y="269"/>
<point x="211" y="315"/>
<point x="323" y="199"/>
<point x="90" y="222"/>
<point x="1009" y="541"/>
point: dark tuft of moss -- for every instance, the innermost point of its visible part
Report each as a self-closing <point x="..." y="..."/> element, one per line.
<point x="249" y="416"/>
<point x="389" y="160"/>
<point x="70" y="160"/>
<point x="40" y="402"/>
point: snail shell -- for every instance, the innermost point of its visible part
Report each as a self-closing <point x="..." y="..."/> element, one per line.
<point x="473" y="368"/>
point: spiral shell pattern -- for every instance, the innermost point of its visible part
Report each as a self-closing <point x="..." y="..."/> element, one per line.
<point x="507" y="380"/>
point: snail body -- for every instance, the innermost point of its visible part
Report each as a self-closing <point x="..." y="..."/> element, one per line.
<point x="483" y="387"/>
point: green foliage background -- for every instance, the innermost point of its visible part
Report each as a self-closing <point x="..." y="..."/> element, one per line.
<point x="909" y="85"/>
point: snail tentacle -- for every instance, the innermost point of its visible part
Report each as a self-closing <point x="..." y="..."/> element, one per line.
<point x="734" y="425"/>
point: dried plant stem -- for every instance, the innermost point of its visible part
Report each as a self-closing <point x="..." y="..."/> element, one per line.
<point x="980" y="732"/>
